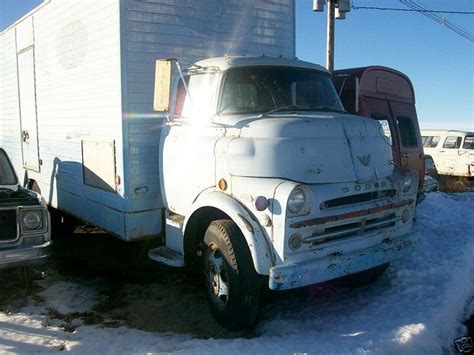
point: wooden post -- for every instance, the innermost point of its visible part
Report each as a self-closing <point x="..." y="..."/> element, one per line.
<point x="330" y="36"/>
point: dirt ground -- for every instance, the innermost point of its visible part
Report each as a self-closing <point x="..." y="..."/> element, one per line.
<point x="133" y="290"/>
<point x="455" y="184"/>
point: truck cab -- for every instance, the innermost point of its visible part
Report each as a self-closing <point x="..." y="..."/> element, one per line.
<point x="25" y="233"/>
<point x="388" y="96"/>
<point x="267" y="180"/>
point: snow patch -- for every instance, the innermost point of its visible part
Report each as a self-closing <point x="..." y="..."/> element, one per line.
<point x="67" y="297"/>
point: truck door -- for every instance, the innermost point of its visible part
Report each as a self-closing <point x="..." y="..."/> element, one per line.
<point x="449" y="156"/>
<point x="411" y="151"/>
<point x="379" y="110"/>
<point x="27" y="97"/>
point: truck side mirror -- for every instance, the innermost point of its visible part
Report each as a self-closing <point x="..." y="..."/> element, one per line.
<point x="162" y="95"/>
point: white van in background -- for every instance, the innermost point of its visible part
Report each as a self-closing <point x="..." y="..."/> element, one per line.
<point x="452" y="151"/>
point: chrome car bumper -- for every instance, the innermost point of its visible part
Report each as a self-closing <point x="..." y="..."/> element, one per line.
<point x="324" y="268"/>
<point x="24" y="255"/>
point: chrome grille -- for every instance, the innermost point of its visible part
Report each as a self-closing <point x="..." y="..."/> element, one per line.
<point x="349" y="200"/>
<point x="364" y="226"/>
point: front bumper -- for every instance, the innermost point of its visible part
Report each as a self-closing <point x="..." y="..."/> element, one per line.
<point x="24" y="255"/>
<point x="324" y="268"/>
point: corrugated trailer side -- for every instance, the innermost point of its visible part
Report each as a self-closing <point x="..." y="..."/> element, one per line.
<point x="9" y="105"/>
<point x="93" y="133"/>
<point x="189" y="31"/>
<point x="62" y="116"/>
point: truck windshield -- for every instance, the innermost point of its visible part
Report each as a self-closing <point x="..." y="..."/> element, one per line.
<point x="268" y="89"/>
<point x="7" y="174"/>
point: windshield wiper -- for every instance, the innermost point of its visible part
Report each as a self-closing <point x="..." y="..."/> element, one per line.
<point x="284" y="108"/>
<point x="327" y="109"/>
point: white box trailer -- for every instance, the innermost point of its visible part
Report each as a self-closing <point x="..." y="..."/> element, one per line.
<point x="76" y="94"/>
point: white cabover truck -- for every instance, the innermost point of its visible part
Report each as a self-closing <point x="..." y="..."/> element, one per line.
<point x="266" y="177"/>
<point x="249" y="167"/>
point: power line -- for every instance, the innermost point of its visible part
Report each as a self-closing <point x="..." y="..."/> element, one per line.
<point x="441" y="20"/>
<point x="412" y="10"/>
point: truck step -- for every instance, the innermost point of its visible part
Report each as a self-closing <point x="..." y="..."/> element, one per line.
<point x="166" y="256"/>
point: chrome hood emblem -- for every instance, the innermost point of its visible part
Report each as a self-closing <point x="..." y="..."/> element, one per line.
<point x="365" y="159"/>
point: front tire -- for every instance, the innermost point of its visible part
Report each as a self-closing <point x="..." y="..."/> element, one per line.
<point x="232" y="285"/>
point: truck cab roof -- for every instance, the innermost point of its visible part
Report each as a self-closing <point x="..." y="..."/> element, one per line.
<point x="227" y="62"/>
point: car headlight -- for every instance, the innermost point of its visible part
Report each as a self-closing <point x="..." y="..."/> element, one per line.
<point x="32" y="220"/>
<point x="410" y="180"/>
<point x="297" y="200"/>
<point x="407" y="183"/>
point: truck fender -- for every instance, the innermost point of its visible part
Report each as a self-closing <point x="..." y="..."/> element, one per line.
<point x="258" y="243"/>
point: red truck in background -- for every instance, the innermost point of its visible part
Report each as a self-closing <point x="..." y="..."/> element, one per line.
<point x="388" y="96"/>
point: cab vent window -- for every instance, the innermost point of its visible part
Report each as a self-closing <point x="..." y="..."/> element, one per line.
<point x="430" y="141"/>
<point x="468" y="143"/>
<point x="452" y="142"/>
<point x="407" y="132"/>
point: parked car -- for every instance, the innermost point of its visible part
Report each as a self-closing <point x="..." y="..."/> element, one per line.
<point x="25" y="235"/>
<point x="431" y="175"/>
<point x="452" y="151"/>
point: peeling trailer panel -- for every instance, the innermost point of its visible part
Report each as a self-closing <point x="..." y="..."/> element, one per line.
<point x="76" y="94"/>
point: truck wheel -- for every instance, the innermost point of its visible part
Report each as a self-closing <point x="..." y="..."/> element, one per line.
<point x="232" y="285"/>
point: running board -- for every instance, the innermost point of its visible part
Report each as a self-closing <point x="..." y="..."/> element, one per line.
<point x="166" y="256"/>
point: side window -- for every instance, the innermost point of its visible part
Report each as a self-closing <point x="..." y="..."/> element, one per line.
<point x="407" y="132"/>
<point x="385" y="126"/>
<point x="434" y="141"/>
<point x="468" y="142"/>
<point x="430" y="141"/>
<point x="452" y="142"/>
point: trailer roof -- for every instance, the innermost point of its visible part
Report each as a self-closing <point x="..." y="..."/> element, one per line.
<point x="224" y="63"/>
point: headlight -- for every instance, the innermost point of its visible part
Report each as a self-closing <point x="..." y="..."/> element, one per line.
<point x="407" y="183"/>
<point x="410" y="180"/>
<point x="32" y="220"/>
<point x="296" y="201"/>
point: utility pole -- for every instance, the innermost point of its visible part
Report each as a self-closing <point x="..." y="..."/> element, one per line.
<point x="330" y="37"/>
<point x="337" y="9"/>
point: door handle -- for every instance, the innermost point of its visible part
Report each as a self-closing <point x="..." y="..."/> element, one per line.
<point x="26" y="136"/>
<point x="405" y="155"/>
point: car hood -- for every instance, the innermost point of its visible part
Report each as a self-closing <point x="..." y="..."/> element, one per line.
<point x="17" y="196"/>
<point x="310" y="148"/>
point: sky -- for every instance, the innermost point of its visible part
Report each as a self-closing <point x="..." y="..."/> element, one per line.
<point x="439" y="62"/>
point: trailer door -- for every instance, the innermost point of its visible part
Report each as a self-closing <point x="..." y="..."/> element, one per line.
<point x="28" y="117"/>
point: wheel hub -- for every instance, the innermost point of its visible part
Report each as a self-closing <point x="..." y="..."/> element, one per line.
<point x="217" y="277"/>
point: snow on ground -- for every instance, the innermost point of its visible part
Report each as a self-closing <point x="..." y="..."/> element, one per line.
<point x="67" y="297"/>
<point x="418" y="306"/>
